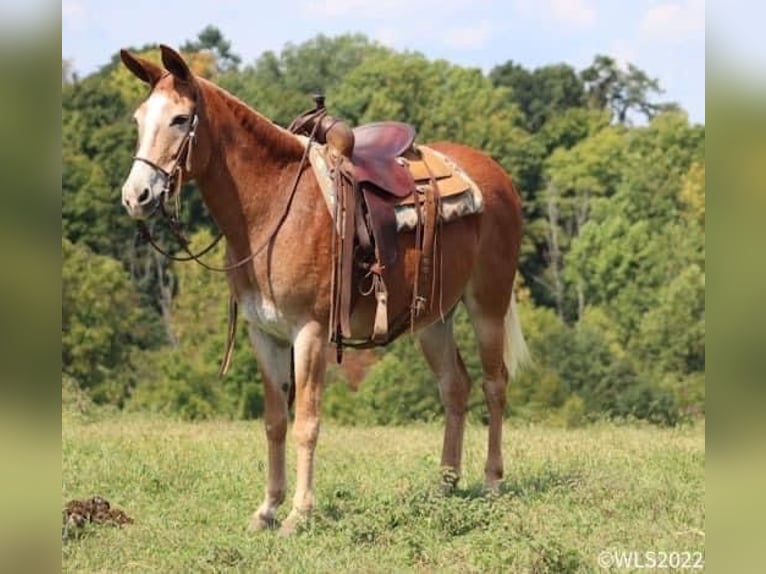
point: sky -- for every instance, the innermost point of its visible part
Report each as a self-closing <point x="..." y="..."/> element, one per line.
<point x="665" y="38"/>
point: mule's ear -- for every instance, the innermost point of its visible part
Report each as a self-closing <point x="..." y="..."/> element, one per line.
<point x="175" y="64"/>
<point x="144" y="70"/>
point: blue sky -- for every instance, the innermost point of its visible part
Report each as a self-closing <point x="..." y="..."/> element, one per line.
<point x="666" y="38"/>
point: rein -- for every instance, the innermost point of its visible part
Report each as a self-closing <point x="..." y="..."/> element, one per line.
<point x="175" y="225"/>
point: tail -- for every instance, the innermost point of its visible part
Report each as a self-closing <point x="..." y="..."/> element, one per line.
<point x="515" y="352"/>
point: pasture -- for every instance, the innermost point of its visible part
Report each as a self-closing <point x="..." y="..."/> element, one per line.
<point x="567" y="496"/>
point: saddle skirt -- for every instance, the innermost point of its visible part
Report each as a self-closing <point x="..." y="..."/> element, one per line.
<point x="459" y="194"/>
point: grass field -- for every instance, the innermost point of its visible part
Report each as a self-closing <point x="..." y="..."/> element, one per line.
<point x="568" y="496"/>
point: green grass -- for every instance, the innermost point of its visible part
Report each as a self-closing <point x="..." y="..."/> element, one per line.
<point x="568" y="495"/>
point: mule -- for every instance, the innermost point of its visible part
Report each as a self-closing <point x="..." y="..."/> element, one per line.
<point x="269" y="207"/>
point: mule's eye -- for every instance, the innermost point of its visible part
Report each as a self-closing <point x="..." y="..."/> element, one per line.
<point x="179" y="120"/>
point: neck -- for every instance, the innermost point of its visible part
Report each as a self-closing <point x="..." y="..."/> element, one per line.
<point x="251" y="163"/>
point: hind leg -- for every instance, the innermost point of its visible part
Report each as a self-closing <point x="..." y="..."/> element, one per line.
<point x="489" y="325"/>
<point x="438" y="344"/>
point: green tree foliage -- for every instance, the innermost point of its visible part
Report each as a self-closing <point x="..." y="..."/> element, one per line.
<point x="543" y="93"/>
<point x="398" y="389"/>
<point x="97" y="149"/>
<point x="441" y="100"/>
<point x="577" y="178"/>
<point x="637" y="241"/>
<point x="571" y="126"/>
<point x="612" y="266"/>
<point x="210" y="39"/>
<point x="103" y="324"/>
<point x="641" y="256"/>
<point x="581" y="372"/>
<point x="671" y="337"/>
<point x="622" y="90"/>
<point x="280" y="85"/>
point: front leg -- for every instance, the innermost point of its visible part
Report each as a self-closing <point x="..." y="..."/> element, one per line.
<point x="274" y="361"/>
<point x="310" y="367"/>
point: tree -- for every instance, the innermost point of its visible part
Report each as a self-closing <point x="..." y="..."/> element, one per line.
<point x="102" y="324"/>
<point x="638" y="241"/>
<point x="566" y="129"/>
<point x="210" y="39"/>
<point x="67" y="72"/>
<point x="280" y="85"/>
<point x="692" y="193"/>
<point x="441" y="100"/>
<point x="582" y="371"/>
<point x="551" y="99"/>
<point x="622" y="90"/>
<point x="671" y="336"/>
<point x="542" y="93"/>
<point x="658" y="158"/>
<point x="577" y="177"/>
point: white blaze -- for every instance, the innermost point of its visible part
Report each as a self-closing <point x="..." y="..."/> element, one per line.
<point x="153" y="121"/>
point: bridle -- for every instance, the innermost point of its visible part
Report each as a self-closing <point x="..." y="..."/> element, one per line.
<point x="171" y="188"/>
<point x="184" y="151"/>
<point x="184" y="146"/>
<point x="173" y="179"/>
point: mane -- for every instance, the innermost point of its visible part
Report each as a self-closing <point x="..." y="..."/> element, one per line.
<point x="252" y="121"/>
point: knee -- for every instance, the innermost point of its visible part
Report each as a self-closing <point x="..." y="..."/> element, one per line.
<point x="276" y="429"/>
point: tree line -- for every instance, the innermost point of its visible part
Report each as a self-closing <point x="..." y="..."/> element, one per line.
<point x="612" y="272"/>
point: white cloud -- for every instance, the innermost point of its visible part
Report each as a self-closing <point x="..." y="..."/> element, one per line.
<point x="576" y="14"/>
<point x="393" y="10"/>
<point x="359" y="8"/>
<point x="623" y="53"/>
<point x="72" y="10"/>
<point x="674" y="21"/>
<point x="387" y="36"/>
<point x="579" y="13"/>
<point x="74" y="16"/>
<point x="469" y="37"/>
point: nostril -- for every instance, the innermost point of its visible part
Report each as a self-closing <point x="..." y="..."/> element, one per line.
<point x="144" y="196"/>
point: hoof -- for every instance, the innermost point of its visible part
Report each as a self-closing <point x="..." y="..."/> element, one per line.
<point x="293" y="523"/>
<point x="492" y="487"/>
<point x="449" y="479"/>
<point x="258" y="522"/>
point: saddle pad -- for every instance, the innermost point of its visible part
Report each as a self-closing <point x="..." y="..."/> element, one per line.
<point x="460" y="196"/>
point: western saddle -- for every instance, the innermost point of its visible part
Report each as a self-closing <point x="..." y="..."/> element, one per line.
<point x="369" y="167"/>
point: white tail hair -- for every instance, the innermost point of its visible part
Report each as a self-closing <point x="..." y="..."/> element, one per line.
<point x="515" y="351"/>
